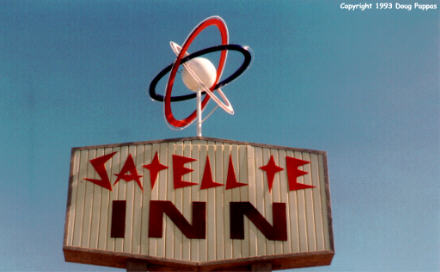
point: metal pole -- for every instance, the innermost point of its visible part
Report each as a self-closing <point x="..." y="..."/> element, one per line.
<point x="199" y="113"/>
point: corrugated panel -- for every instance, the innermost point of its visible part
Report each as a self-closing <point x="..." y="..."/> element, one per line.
<point x="89" y="212"/>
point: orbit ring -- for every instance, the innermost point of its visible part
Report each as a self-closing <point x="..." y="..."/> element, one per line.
<point x="220" y="24"/>
<point x="237" y="73"/>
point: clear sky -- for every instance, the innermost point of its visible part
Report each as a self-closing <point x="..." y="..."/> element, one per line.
<point x="363" y="86"/>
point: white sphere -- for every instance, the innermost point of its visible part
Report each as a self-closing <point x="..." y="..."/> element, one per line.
<point x="205" y="71"/>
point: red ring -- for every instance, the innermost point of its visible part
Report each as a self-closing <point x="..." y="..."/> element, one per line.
<point x="224" y="35"/>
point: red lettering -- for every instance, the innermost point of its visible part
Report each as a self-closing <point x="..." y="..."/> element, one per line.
<point x="207" y="181"/>
<point x="271" y="169"/>
<point x="231" y="179"/>
<point x="179" y="170"/>
<point x="154" y="167"/>
<point x="129" y="172"/>
<point x="99" y="165"/>
<point x="293" y="173"/>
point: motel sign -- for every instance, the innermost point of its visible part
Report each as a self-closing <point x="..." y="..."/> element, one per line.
<point x="198" y="204"/>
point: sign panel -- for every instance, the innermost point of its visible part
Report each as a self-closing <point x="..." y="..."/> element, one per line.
<point x="198" y="203"/>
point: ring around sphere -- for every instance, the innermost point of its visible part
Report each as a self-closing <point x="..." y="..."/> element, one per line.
<point x="211" y="21"/>
<point x="223" y="102"/>
<point x="237" y="73"/>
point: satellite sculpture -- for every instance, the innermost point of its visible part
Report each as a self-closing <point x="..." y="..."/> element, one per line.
<point x="199" y="75"/>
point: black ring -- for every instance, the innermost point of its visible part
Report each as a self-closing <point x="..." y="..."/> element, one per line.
<point x="234" y="47"/>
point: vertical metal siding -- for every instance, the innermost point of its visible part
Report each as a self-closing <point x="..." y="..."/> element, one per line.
<point x="89" y="218"/>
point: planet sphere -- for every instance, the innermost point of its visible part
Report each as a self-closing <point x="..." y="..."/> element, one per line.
<point x="199" y="73"/>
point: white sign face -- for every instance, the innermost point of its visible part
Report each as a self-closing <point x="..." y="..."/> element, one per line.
<point x="198" y="203"/>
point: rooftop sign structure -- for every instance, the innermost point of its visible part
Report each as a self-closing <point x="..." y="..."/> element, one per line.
<point x="198" y="203"/>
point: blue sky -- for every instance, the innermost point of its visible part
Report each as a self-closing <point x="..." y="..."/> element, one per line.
<point x="363" y="86"/>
